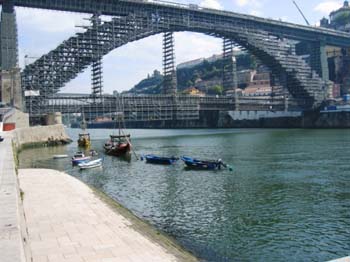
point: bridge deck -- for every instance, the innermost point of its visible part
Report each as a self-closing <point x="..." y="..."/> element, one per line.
<point x="118" y="7"/>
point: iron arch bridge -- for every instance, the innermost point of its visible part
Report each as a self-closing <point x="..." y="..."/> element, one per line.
<point x="275" y="43"/>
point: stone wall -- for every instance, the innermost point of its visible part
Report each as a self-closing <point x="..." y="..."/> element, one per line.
<point x="326" y="120"/>
<point x="11" y="90"/>
<point x="18" y="117"/>
<point x="40" y="135"/>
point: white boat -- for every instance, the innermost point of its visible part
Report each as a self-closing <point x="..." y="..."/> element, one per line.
<point x="59" y="156"/>
<point x="91" y="164"/>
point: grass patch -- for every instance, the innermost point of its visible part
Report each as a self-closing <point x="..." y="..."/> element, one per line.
<point x="21" y="193"/>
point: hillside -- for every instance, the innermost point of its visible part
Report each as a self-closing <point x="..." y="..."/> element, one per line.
<point x="206" y="76"/>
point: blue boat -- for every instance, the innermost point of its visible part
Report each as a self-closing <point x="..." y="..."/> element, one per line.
<point x="160" y="160"/>
<point x="193" y="163"/>
<point x="79" y="157"/>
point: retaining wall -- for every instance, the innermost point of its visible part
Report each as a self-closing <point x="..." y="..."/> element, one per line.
<point x="40" y="136"/>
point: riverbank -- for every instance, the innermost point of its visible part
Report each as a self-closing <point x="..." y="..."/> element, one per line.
<point x="68" y="221"/>
<point x="51" y="216"/>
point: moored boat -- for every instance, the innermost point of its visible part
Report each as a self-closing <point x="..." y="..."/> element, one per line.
<point x="153" y="159"/>
<point x="59" y="156"/>
<point x="79" y="157"/>
<point x="91" y="164"/>
<point x="193" y="163"/>
<point x="84" y="140"/>
<point x="118" y="145"/>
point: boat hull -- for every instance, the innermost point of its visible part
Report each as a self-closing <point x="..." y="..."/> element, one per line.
<point x="76" y="161"/>
<point x="196" y="164"/>
<point x="151" y="159"/>
<point x="60" y="156"/>
<point x="118" y="150"/>
<point x="84" y="143"/>
<point x="91" y="164"/>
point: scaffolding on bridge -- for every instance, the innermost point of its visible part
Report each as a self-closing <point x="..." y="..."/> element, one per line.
<point x="96" y="70"/>
<point x="169" y="70"/>
<point x="137" y="21"/>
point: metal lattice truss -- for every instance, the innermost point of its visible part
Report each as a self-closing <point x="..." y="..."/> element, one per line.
<point x="169" y="71"/>
<point x="229" y="65"/>
<point x="96" y="71"/>
<point x="157" y="107"/>
<point x="270" y="44"/>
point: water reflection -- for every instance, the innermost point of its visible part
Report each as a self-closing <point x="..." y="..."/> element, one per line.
<point x="287" y="199"/>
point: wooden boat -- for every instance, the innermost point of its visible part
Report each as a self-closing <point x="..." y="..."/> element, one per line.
<point x="84" y="140"/>
<point x="79" y="157"/>
<point x="91" y="164"/>
<point x="59" y="156"/>
<point x="118" y="145"/>
<point x="84" y="137"/>
<point x="193" y="163"/>
<point x="160" y="160"/>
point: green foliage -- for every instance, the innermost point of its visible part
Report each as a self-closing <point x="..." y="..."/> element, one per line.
<point x="188" y="77"/>
<point x="342" y="19"/>
<point x="149" y="85"/>
<point x="216" y="90"/>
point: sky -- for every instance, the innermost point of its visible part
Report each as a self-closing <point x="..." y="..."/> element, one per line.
<point x="41" y="31"/>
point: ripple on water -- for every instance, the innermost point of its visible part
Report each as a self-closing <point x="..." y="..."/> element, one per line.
<point x="287" y="199"/>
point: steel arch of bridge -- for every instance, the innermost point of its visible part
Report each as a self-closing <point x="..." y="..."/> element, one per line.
<point x="270" y="42"/>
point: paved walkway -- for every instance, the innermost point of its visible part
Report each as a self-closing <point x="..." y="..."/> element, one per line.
<point x="68" y="222"/>
<point x="11" y="246"/>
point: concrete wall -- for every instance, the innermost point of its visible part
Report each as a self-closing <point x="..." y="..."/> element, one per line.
<point x="256" y="115"/>
<point x="11" y="90"/>
<point x="326" y="120"/>
<point x="54" y="118"/>
<point x="41" y="135"/>
<point x="18" y="117"/>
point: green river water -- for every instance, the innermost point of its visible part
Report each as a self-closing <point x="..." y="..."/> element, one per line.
<point x="287" y="199"/>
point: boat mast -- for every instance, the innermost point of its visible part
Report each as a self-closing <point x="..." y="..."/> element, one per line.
<point x="83" y="123"/>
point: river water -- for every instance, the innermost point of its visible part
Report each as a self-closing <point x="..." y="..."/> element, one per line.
<point x="287" y="199"/>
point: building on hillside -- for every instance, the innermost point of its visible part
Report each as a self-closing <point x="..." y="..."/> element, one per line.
<point x="190" y="64"/>
<point x="193" y="92"/>
<point x="253" y="84"/>
<point x="338" y="19"/>
<point x="211" y="59"/>
<point x="339" y="58"/>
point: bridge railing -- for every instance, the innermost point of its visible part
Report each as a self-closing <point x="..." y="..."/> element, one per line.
<point x="199" y="8"/>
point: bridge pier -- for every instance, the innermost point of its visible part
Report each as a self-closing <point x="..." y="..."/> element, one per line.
<point x="11" y="91"/>
<point x="8" y="37"/>
<point x="229" y="78"/>
<point x="10" y="78"/>
<point x="319" y="60"/>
